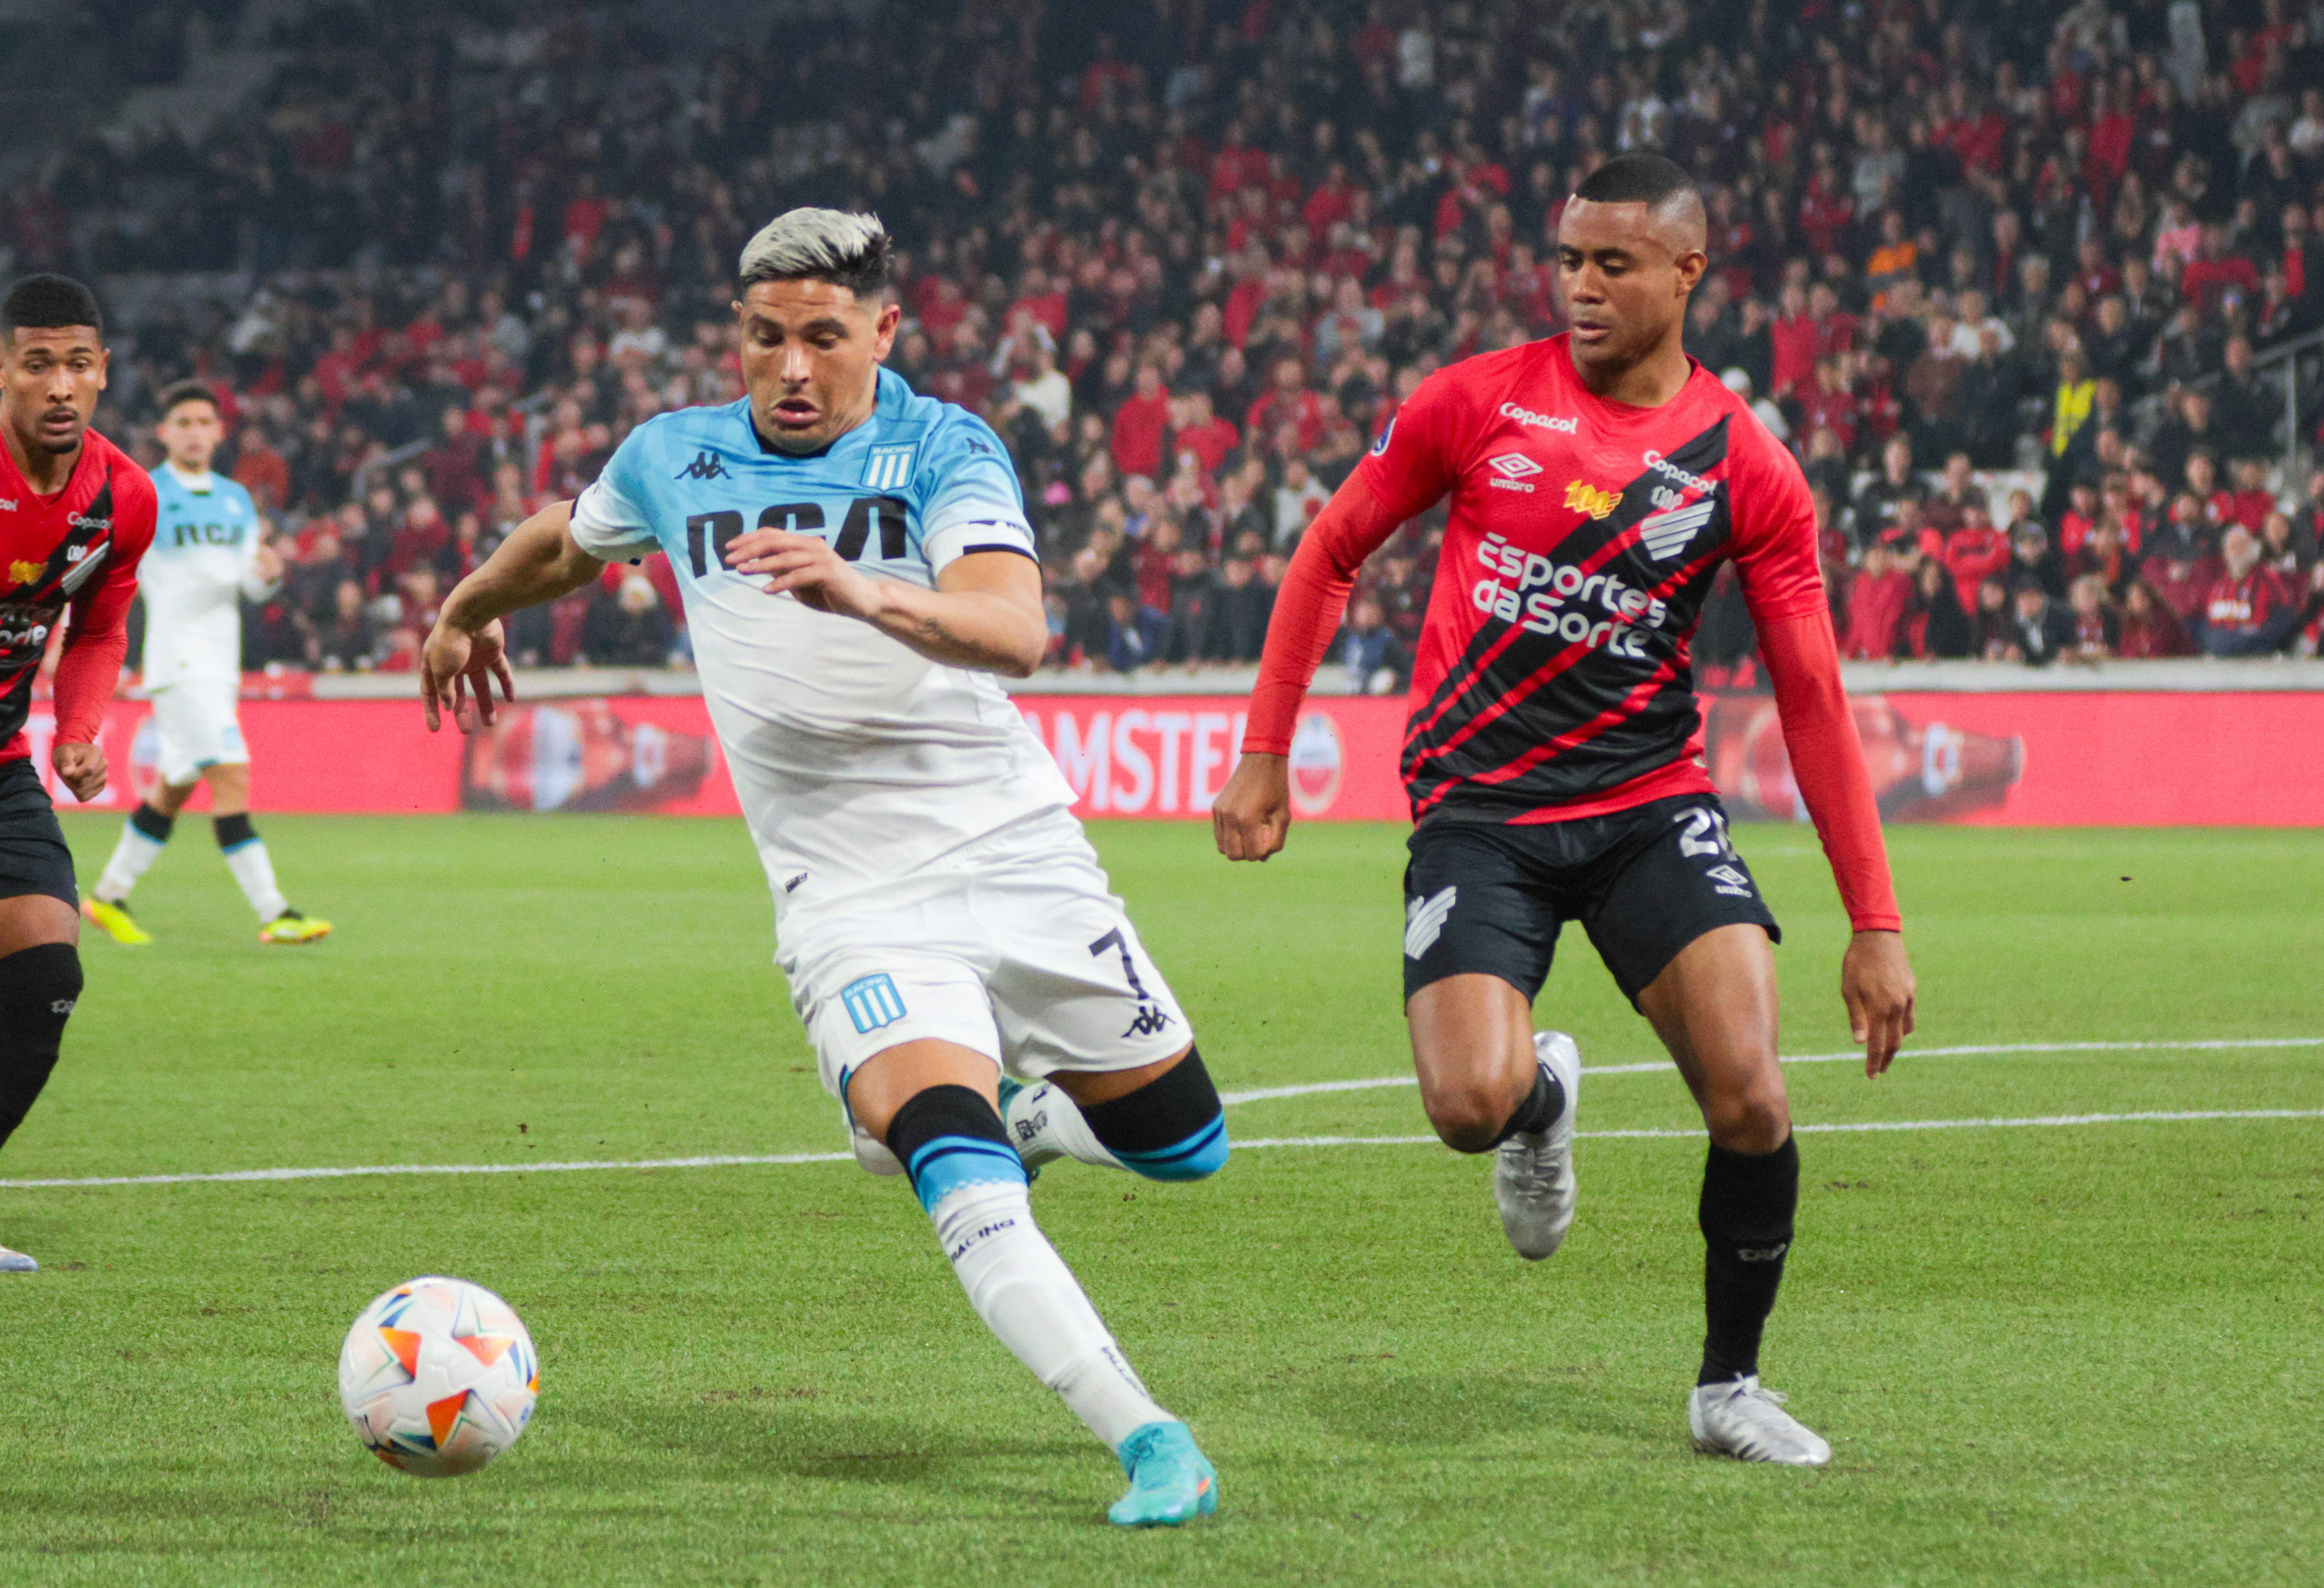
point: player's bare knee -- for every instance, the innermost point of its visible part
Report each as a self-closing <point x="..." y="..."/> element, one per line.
<point x="1467" y="1116"/>
<point x="1751" y="1119"/>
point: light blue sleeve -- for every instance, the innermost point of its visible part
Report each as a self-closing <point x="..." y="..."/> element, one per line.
<point x="613" y="518"/>
<point x="970" y="500"/>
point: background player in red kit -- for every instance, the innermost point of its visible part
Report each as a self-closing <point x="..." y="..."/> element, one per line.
<point x="76" y="515"/>
<point x="1554" y="751"/>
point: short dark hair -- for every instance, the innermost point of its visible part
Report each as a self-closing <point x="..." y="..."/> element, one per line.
<point x="188" y="392"/>
<point x="46" y="302"/>
<point x="1640" y="177"/>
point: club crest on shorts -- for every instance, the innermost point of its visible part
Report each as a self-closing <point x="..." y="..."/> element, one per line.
<point x="1424" y="921"/>
<point x="872" y="1002"/>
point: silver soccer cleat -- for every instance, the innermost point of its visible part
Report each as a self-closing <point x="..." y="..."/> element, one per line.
<point x="1533" y="1171"/>
<point x="1747" y="1421"/>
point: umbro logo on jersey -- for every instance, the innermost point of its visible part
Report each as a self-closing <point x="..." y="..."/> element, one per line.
<point x="890" y="468"/>
<point x="706" y="465"/>
<point x="1585" y="498"/>
<point x="1424" y="921"/>
<point x="1515" y="470"/>
<point x="1666" y="534"/>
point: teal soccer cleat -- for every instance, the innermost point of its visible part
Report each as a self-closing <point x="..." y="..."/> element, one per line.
<point x="1171" y="1483"/>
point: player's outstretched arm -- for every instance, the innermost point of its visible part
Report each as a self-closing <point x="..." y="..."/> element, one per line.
<point x="538" y="562"/>
<point x="1875" y="977"/>
<point x="1251" y="817"/>
<point x="985" y="614"/>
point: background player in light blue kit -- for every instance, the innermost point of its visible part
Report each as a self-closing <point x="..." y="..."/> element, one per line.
<point x="857" y="565"/>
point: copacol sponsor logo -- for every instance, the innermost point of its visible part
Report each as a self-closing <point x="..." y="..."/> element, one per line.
<point x="1561" y="602"/>
<point x="1526" y="416"/>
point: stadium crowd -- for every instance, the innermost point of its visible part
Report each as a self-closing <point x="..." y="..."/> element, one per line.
<point x="1188" y="265"/>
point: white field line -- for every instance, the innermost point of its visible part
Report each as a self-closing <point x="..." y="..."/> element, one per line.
<point x="1261" y="1094"/>
<point x="2053" y="1120"/>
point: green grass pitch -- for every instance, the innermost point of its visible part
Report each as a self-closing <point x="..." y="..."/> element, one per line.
<point x="2058" y="1355"/>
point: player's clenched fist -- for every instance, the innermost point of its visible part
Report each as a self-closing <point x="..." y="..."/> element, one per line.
<point x="1252" y="813"/>
<point x="81" y="768"/>
<point x="809" y="567"/>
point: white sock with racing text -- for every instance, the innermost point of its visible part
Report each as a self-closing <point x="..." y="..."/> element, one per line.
<point x="1045" y="1125"/>
<point x="1027" y="1296"/>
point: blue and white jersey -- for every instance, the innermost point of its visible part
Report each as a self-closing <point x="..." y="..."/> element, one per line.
<point x="856" y="759"/>
<point x="203" y="564"/>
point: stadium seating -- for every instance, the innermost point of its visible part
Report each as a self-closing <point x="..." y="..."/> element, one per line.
<point x="2007" y="277"/>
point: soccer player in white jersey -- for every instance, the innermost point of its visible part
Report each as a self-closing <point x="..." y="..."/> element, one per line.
<point x="857" y="565"/>
<point x="209" y="553"/>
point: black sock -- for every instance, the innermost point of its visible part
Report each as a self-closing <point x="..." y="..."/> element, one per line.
<point x="1747" y="1209"/>
<point x="1540" y="1110"/>
<point x="38" y="988"/>
<point x="1172" y="1128"/>
<point x="233" y="830"/>
<point x="149" y="822"/>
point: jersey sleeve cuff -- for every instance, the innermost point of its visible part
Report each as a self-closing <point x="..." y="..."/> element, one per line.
<point x="596" y="529"/>
<point x="976" y="527"/>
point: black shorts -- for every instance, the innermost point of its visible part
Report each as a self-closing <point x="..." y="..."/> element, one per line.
<point x="33" y="858"/>
<point x="1644" y="883"/>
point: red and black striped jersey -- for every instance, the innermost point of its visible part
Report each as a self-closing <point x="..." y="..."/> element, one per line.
<point x="78" y="548"/>
<point x="1553" y="677"/>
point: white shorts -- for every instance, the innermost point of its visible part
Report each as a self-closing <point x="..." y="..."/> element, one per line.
<point x="198" y="728"/>
<point x="1013" y="945"/>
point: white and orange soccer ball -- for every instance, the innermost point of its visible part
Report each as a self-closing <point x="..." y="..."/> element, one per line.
<point x="439" y="1377"/>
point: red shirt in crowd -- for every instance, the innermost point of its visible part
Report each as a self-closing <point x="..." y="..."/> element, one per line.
<point x="1208" y="443"/>
<point x="1137" y="431"/>
<point x="2245" y="605"/>
<point x="1973" y="553"/>
<point x="1303" y="408"/>
<point x="1876" y="605"/>
<point x="1794" y="339"/>
<point x="2184" y="587"/>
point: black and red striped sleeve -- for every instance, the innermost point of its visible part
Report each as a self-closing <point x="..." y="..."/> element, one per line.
<point x="1776" y="557"/>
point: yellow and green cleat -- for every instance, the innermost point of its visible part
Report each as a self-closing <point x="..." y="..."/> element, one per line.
<point x="113" y="921"/>
<point x="292" y="927"/>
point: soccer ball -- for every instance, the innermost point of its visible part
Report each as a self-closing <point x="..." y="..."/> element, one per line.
<point x="439" y="1377"/>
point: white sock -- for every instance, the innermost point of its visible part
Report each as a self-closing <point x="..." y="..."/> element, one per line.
<point x="131" y="856"/>
<point x="255" y="872"/>
<point x="1027" y="1296"/>
<point x="1045" y="1126"/>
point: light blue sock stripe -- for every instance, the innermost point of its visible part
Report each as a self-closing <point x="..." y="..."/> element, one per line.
<point x="945" y="1164"/>
<point x="1199" y="1156"/>
<point x="245" y="843"/>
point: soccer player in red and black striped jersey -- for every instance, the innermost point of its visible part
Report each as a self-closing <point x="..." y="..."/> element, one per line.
<point x="1553" y="752"/>
<point x="76" y="516"/>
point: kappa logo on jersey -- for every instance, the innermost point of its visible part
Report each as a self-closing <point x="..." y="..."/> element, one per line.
<point x="706" y="465"/>
<point x="1516" y="471"/>
<point x="1424" y="921"/>
<point x="872" y="1002"/>
<point x="1666" y="534"/>
<point x="890" y="467"/>
<point x="1585" y="498"/>
<point x="1526" y="416"/>
<point x="1378" y="447"/>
